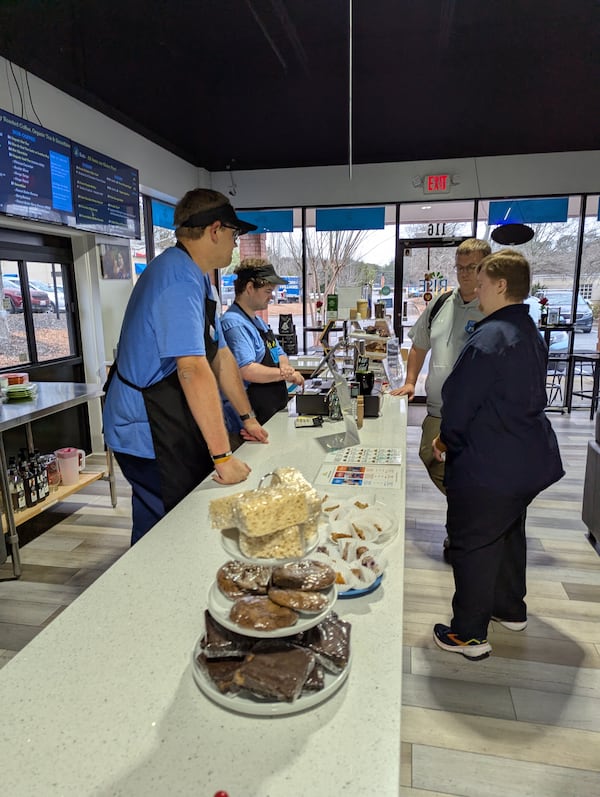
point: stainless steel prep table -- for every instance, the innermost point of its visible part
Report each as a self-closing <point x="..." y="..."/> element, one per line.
<point x="52" y="397"/>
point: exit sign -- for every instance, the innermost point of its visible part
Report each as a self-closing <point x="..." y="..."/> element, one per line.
<point x="436" y="184"/>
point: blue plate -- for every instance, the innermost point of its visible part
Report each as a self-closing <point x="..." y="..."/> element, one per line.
<point x="356" y="593"/>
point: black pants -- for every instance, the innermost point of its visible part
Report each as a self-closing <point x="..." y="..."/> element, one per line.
<point x="146" y="494"/>
<point x="488" y="552"/>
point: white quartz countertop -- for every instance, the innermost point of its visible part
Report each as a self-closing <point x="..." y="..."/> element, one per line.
<point x="103" y="701"/>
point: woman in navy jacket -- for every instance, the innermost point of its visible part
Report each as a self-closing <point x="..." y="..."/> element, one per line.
<point x="500" y="453"/>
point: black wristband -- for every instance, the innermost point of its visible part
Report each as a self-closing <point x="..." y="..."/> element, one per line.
<point x="247" y="415"/>
<point x="223" y="457"/>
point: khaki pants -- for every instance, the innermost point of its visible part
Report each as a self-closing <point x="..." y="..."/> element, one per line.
<point x="431" y="429"/>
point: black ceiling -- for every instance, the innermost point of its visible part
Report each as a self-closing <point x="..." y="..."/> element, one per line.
<point x="254" y="84"/>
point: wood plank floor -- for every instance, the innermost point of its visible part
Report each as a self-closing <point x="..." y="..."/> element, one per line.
<point x="524" y="722"/>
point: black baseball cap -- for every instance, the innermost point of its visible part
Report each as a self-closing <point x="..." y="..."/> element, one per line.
<point x="223" y="213"/>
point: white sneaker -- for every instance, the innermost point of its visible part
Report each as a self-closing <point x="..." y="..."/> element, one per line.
<point x="511" y="625"/>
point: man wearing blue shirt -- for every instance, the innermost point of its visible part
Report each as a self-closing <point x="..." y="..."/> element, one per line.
<point x="163" y="416"/>
<point x="263" y="364"/>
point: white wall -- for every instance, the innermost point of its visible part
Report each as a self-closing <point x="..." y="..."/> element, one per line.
<point x="502" y="176"/>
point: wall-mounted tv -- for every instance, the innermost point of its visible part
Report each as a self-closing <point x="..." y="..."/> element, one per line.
<point x="35" y="172"/>
<point x="45" y="176"/>
<point x="105" y="193"/>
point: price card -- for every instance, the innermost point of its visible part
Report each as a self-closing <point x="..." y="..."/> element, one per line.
<point x="359" y="455"/>
<point x="358" y="466"/>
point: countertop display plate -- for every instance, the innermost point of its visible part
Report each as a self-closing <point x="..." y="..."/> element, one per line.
<point x="356" y="593"/>
<point x="219" y="606"/>
<point x="246" y="703"/>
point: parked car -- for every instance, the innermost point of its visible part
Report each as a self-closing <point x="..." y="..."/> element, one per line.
<point x="40" y="301"/>
<point x="49" y="289"/>
<point x="562" y="301"/>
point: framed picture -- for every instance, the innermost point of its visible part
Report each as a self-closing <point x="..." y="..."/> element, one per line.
<point x="115" y="261"/>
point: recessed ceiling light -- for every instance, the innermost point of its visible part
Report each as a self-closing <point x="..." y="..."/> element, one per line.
<point x="425" y="207"/>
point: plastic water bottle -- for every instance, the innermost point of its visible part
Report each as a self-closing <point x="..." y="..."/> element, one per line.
<point x="395" y="366"/>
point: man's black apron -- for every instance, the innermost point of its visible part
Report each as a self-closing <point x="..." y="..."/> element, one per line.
<point x="181" y="452"/>
<point x="266" y="398"/>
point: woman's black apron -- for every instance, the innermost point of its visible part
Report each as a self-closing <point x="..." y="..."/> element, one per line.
<point x="266" y="398"/>
<point x="181" y="452"/>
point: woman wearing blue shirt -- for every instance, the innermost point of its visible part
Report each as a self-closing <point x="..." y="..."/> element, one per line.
<point x="263" y="364"/>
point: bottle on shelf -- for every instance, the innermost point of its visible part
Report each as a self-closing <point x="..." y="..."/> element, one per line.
<point x="16" y="487"/>
<point x="30" y="484"/>
<point x="41" y="476"/>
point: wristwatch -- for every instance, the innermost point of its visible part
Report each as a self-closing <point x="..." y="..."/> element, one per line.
<point x="247" y="415"/>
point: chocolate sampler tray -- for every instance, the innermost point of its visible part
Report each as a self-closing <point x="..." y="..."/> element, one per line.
<point x="244" y="702"/>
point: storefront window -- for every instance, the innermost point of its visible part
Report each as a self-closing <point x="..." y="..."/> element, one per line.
<point x="51" y="310"/>
<point x="589" y="280"/>
<point x="163" y="229"/>
<point x="13" y="335"/>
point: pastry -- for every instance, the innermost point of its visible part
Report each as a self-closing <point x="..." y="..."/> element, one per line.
<point x="300" y="600"/>
<point x="306" y="574"/>
<point x="260" y="613"/>
<point x="236" y="579"/>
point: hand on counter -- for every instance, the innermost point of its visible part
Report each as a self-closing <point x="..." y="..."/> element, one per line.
<point x="252" y="432"/>
<point x="407" y="389"/>
<point x="231" y="471"/>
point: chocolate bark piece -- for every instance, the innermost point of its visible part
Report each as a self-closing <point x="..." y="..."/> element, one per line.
<point x="329" y="641"/>
<point x="277" y="673"/>
<point x="306" y="574"/>
<point x="218" y="642"/>
<point x="315" y="681"/>
<point x="261" y="614"/>
<point x="221" y="672"/>
<point x="300" y="600"/>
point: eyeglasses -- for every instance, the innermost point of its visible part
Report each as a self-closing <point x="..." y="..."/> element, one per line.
<point x="465" y="269"/>
<point x="235" y="234"/>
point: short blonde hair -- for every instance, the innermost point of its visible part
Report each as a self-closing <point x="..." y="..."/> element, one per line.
<point x="510" y="265"/>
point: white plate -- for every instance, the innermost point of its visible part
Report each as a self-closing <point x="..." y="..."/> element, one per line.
<point x="247" y="703"/>
<point x="220" y="606"/>
<point x="229" y="541"/>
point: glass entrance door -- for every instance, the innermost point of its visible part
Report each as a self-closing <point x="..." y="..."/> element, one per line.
<point x="427" y="270"/>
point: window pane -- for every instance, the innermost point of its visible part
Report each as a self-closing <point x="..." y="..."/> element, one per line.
<point x="51" y="311"/>
<point x="13" y="336"/>
<point x="589" y="284"/>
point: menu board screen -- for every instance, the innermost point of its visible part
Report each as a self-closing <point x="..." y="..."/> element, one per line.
<point x="35" y="172"/>
<point x="106" y="194"/>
